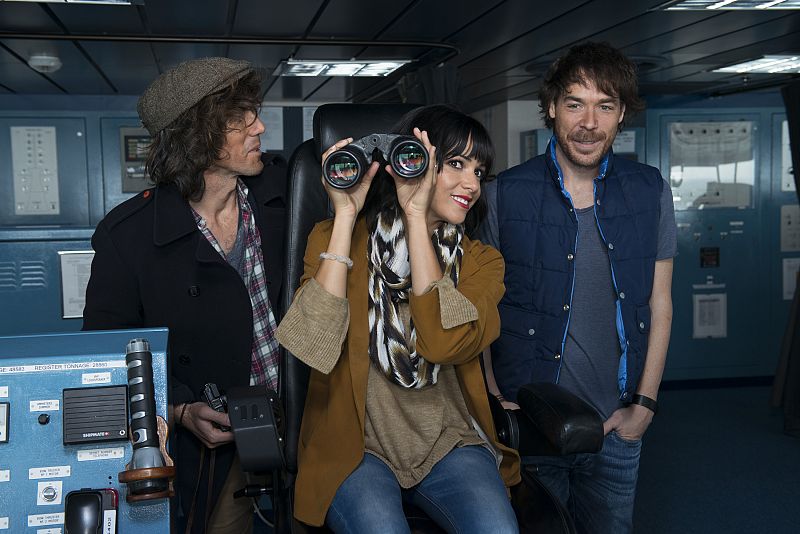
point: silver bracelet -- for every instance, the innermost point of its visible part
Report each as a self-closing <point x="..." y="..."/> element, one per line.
<point x="335" y="257"/>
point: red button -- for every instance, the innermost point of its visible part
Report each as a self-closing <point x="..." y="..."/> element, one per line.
<point x="146" y="194"/>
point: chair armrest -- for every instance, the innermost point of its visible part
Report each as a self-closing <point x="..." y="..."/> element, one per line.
<point x="255" y="416"/>
<point x="568" y="424"/>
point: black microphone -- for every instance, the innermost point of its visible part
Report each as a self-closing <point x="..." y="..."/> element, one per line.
<point x="144" y="426"/>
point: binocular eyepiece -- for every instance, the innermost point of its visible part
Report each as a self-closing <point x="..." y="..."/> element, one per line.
<point x="345" y="167"/>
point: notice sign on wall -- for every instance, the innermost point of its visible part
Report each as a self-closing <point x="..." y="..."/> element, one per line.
<point x="76" y="267"/>
<point x="710" y="315"/>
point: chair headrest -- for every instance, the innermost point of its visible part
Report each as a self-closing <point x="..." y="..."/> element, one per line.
<point x="338" y="121"/>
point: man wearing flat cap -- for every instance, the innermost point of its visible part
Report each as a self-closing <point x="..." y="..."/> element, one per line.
<point x="200" y="253"/>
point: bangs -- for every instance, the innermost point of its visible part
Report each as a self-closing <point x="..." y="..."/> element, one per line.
<point x="601" y="80"/>
<point x="458" y="140"/>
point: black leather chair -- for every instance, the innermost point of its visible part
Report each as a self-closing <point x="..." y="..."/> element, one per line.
<point x="558" y="415"/>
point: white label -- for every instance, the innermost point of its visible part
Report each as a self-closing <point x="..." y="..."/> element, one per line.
<point x="76" y="267"/>
<point x="5" y="475"/>
<point x="109" y="522"/>
<point x="272" y="138"/>
<point x="710" y="315"/>
<point x="48" y="531"/>
<point x="88" y="455"/>
<point x="95" y="378"/>
<point x="625" y="142"/>
<point x="3" y="523"/>
<point x="48" y="493"/>
<point x="787" y="178"/>
<point x="50" y="367"/>
<point x="49" y="472"/>
<point x="45" y="405"/>
<point x="790" y="228"/>
<point x="3" y="392"/>
<point x="41" y="520"/>
<point x="790" y="268"/>
<point x="308" y="123"/>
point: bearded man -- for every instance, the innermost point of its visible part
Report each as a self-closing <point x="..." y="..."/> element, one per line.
<point x="588" y="239"/>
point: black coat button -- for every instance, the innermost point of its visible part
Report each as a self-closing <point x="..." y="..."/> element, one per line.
<point x="194" y="291"/>
<point x="184" y="359"/>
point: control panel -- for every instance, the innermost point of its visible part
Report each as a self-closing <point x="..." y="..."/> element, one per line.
<point x="74" y="412"/>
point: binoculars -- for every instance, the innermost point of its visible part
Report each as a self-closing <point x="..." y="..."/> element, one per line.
<point x="406" y="155"/>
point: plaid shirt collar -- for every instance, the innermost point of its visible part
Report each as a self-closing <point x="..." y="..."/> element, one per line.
<point x="265" y="351"/>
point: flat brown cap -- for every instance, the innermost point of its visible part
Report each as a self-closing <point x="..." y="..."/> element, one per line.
<point x="179" y="89"/>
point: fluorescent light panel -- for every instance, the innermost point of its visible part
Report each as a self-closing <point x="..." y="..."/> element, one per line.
<point x="784" y="64"/>
<point x="691" y="5"/>
<point x="103" y="2"/>
<point x="294" y="67"/>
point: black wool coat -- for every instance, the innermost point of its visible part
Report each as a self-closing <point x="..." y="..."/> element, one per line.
<point x="154" y="268"/>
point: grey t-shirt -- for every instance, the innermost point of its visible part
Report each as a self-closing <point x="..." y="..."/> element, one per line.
<point x="236" y="256"/>
<point x="590" y="361"/>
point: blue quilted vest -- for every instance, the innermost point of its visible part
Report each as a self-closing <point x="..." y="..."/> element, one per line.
<point x="538" y="236"/>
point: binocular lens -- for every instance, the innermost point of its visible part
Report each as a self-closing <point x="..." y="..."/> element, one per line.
<point x="342" y="170"/>
<point x="409" y="159"/>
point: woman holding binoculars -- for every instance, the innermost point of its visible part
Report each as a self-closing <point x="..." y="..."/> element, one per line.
<point x="395" y="306"/>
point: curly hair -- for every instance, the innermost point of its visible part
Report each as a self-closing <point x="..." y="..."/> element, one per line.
<point x="191" y="144"/>
<point x="599" y="63"/>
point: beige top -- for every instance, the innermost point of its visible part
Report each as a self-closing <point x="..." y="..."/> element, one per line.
<point x="409" y="429"/>
<point x="412" y="429"/>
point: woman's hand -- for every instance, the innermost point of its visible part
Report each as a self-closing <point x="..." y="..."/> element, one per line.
<point x="348" y="202"/>
<point x="414" y="195"/>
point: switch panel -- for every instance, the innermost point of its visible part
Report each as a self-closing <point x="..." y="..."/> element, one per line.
<point x="35" y="169"/>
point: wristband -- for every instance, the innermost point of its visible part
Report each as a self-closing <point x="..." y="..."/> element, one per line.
<point x="647" y="402"/>
<point x="183" y="411"/>
<point x="336" y="257"/>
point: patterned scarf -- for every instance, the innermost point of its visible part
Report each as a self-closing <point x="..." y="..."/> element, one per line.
<point x="265" y="351"/>
<point x="389" y="285"/>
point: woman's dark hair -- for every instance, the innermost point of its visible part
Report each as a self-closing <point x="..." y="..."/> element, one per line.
<point x="600" y="63"/>
<point x="450" y="131"/>
<point x="193" y="142"/>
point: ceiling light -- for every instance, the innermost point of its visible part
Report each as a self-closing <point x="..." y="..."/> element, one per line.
<point x="690" y="5"/>
<point x="294" y="67"/>
<point x="101" y="2"/>
<point x="44" y="63"/>
<point x="782" y="64"/>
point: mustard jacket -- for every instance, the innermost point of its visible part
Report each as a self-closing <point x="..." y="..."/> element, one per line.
<point x="331" y="441"/>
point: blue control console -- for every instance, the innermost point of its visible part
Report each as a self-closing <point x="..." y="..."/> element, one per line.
<point x="65" y="416"/>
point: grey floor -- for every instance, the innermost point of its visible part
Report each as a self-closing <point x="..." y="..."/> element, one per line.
<point x="716" y="460"/>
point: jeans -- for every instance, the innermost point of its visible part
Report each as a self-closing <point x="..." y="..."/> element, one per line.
<point x="463" y="493"/>
<point x="597" y="489"/>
